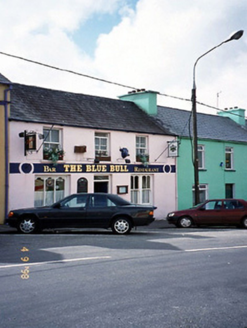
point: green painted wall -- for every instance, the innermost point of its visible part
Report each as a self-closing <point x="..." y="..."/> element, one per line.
<point x="214" y="175"/>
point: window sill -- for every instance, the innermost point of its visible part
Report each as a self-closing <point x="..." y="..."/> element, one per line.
<point x="202" y="170"/>
<point x="230" y="170"/>
<point x="48" y="161"/>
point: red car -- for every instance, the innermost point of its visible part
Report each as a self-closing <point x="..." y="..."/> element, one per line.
<point x="217" y="212"/>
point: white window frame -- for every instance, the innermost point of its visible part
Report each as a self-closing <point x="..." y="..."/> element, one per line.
<point x="201" y="157"/>
<point x="141" y="192"/>
<point x="229" y="151"/>
<point x="103" y="149"/>
<point x="203" y="193"/>
<point x="140" y="149"/>
<point x="54" y="197"/>
<point x="48" y="142"/>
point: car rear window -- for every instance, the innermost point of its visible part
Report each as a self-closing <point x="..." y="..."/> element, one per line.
<point x="233" y="204"/>
<point x="118" y="200"/>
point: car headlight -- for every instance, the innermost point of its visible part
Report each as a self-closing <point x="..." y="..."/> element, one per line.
<point x="171" y="214"/>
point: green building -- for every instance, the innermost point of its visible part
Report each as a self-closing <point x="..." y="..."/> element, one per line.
<point x="222" y="153"/>
<point x="222" y="149"/>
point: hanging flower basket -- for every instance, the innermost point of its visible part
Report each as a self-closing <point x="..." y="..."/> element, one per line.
<point x="144" y="158"/>
<point x="53" y="154"/>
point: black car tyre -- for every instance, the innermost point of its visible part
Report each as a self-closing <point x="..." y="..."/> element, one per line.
<point x="121" y="226"/>
<point x="28" y="225"/>
<point x="185" y="222"/>
<point x="244" y="223"/>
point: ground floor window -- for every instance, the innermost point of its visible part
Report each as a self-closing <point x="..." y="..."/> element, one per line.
<point x="48" y="190"/>
<point x="203" y="193"/>
<point x="141" y="189"/>
<point x="229" y="190"/>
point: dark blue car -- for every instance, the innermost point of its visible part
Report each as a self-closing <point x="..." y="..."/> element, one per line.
<point x="98" y="210"/>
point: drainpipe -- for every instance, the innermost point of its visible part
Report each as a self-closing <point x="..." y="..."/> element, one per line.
<point x="5" y="103"/>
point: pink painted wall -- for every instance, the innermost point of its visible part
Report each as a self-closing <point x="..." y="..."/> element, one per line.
<point x="21" y="185"/>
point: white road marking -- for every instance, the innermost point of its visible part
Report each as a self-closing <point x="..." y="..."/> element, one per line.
<point x="58" y="261"/>
<point x="214" y="248"/>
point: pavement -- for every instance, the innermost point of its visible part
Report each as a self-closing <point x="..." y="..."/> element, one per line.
<point x="157" y="224"/>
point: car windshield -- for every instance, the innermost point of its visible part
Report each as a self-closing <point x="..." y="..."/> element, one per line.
<point x="195" y="206"/>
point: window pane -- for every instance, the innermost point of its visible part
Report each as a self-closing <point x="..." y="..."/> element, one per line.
<point x="76" y="201"/>
<point x="132" y="183"/>
<point x="229" y="158"/>
<point x="145" y="196"/>
<point x="200" y="160"/>
<point x="54" y="135"/>
<point x="46" y="135"/>
<point x="96" y="143"/>
<point x="141" y="189"/>
<point x="49" y="199"/>
<point x="148" y="181"/>
<point x="39" y="192"/>
<point x="214" y="205"/>
<point x="51" y="141"/>
<point x="228" y="161"/>
<point x="136" y="183"/>
<point x="99" y="201"/>
<point x="200" y="155"/>
<point x="134" y="196"/>
<point x="101" y="144"/>
<point x="141" y="145"/>
<point x="59" y="189"/>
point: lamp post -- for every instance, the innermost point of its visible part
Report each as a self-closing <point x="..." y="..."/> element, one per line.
<point x="234" y="36"/>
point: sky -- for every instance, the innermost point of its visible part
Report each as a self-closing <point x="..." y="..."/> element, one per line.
<point x="144" y="44"/>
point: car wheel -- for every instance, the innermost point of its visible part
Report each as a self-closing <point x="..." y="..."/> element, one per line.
<point x="185" y="222"/>
<point x="244" y="223"/>
<point x="28" y="225"/>
<point x="121" y="226"/>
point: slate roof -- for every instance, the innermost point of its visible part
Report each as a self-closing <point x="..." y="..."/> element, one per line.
<point x="35" y="104"/>
<point x="4" y="80"/>
<point x="209" y="126"/>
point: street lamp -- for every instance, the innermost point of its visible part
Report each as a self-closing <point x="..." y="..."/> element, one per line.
<point x="234" y="36"/>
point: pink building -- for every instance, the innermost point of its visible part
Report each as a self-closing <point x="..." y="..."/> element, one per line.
<point x="62" y="143"/>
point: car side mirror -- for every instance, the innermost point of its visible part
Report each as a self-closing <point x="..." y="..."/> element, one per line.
<point x="202" y="209"/>
<point x="57" y="205"/>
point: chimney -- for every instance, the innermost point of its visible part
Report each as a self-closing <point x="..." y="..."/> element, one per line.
<point x="236" y="114"/>
<point x="146" y="100"/>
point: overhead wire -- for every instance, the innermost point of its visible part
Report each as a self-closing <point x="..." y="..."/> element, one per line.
<point x="105" y="81"/>
<point x="67" y="70"/>
<point x="120" y="85"/>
